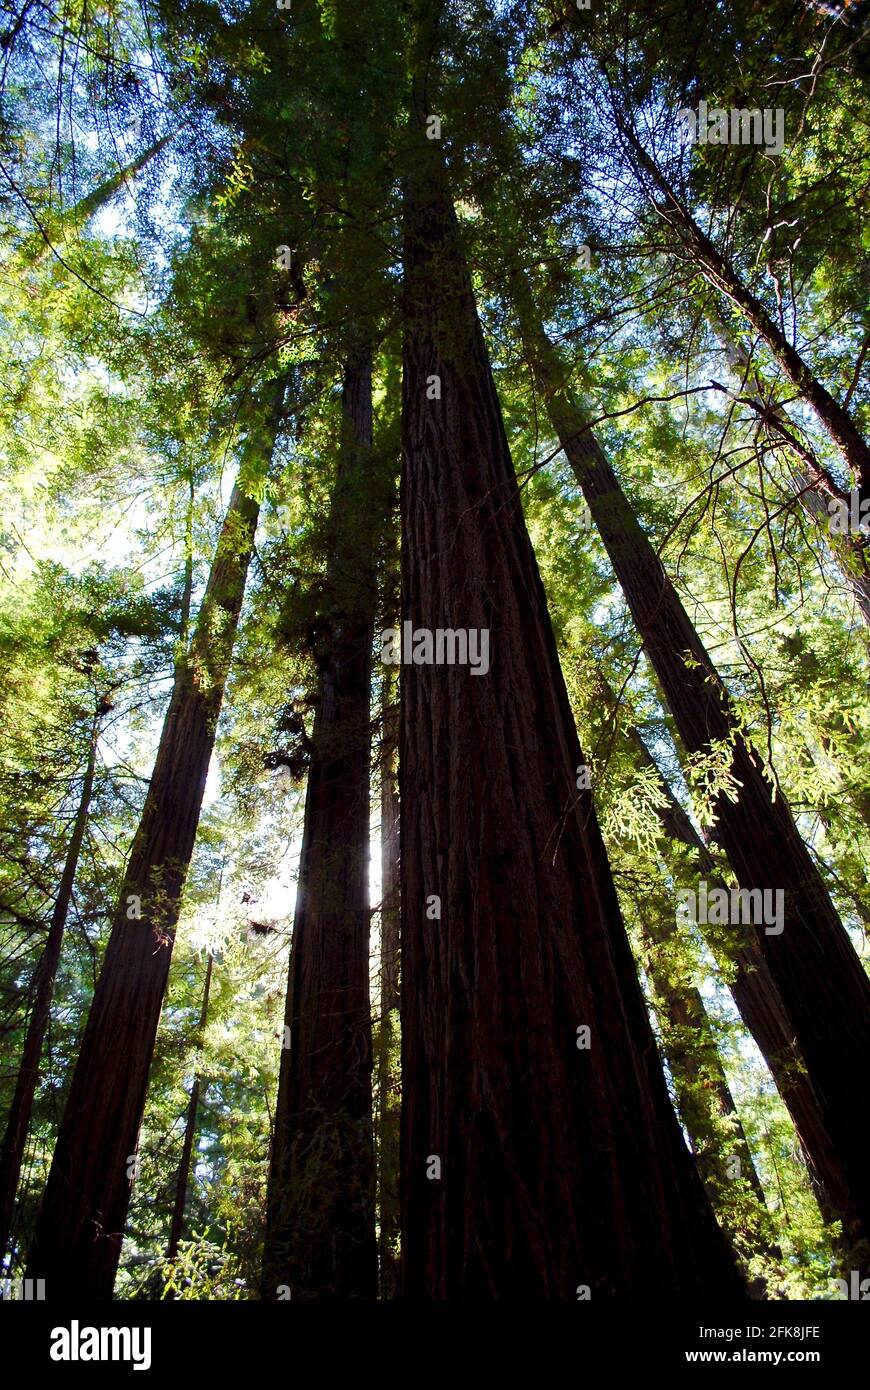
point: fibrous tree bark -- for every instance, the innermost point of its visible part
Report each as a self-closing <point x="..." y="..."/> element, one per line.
<point x="320" y="1234"/>
<point x="80" y="1226"/>
<point x="533" y="1164"/>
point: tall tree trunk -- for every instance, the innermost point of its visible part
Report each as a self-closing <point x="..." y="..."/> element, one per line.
<point x="39" y="245"/>
<point x="759" y="1005"/>
<point x="808" y="479"/>
<point x="721" y="274"/>
<point x="388" y="1106"/>
<point x="704" y="1100"/>
<point x="18" y="1122"/>
<point x="821" y="983"/>
<point x="691" y="1049"/>
<point x="80" y="1226"/>
<point x="183" y="1178"/>
<point x="187" y="590"/>
<point x="320" y="1233"/>
<point x="533" y="1165"/>
<point x="703" y="1093"/>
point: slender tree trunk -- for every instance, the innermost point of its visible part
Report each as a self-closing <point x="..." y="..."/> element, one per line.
<point x="704" y="1100"/>
<point x="39" y="245"/>
<point x="532" y="1164"/>
<point x="704" y="1096"/>
<point x="703" y="1093"/>
<point x="706" y="1105"/>
<point x="80" y="1226"/>
<point x="187" y="591"/>
<point x="720" y="273"/>
<point x="18" y="1122"/>
<point x="320" y="1234"/>
<point x="189" y="1132"/>
<point x="761" y="1008"/>
<point x="808" y="479"/>
<point x="691" y="1049"/>
<point x="388" y="1107"/>
<point x="823" y="988"/>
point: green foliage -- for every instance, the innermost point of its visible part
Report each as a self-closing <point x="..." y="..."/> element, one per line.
<point x="145" y="321"/>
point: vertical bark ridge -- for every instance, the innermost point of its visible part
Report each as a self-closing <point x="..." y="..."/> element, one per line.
<point x="320" y="1236"/>
<point x="559" y="1166"/>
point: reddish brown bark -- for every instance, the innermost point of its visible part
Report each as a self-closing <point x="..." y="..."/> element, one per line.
<point x="18" y="1120"/>
<point x="320" y="1234"/>
<point x="560" y="1166"/>
<point x="80" y="1226"/>
<point x="824" y="991"/>
<point x="388" y="1107"/>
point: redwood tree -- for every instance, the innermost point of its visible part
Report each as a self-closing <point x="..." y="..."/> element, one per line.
<point x="18" y="1120"/>
<point x="758" y="1001"/>
<point x="823" y="988"/>
<point x="810" y="481"/>
<point x="320" y="1232"/>
<point x="183" y="1178"/>
<point x="80" y="1227"/>
<point x="698" y="248"/>
<point x="533" y="1165"/>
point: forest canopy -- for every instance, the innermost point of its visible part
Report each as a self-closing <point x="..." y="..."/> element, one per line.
<point x="434" y="616"/>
